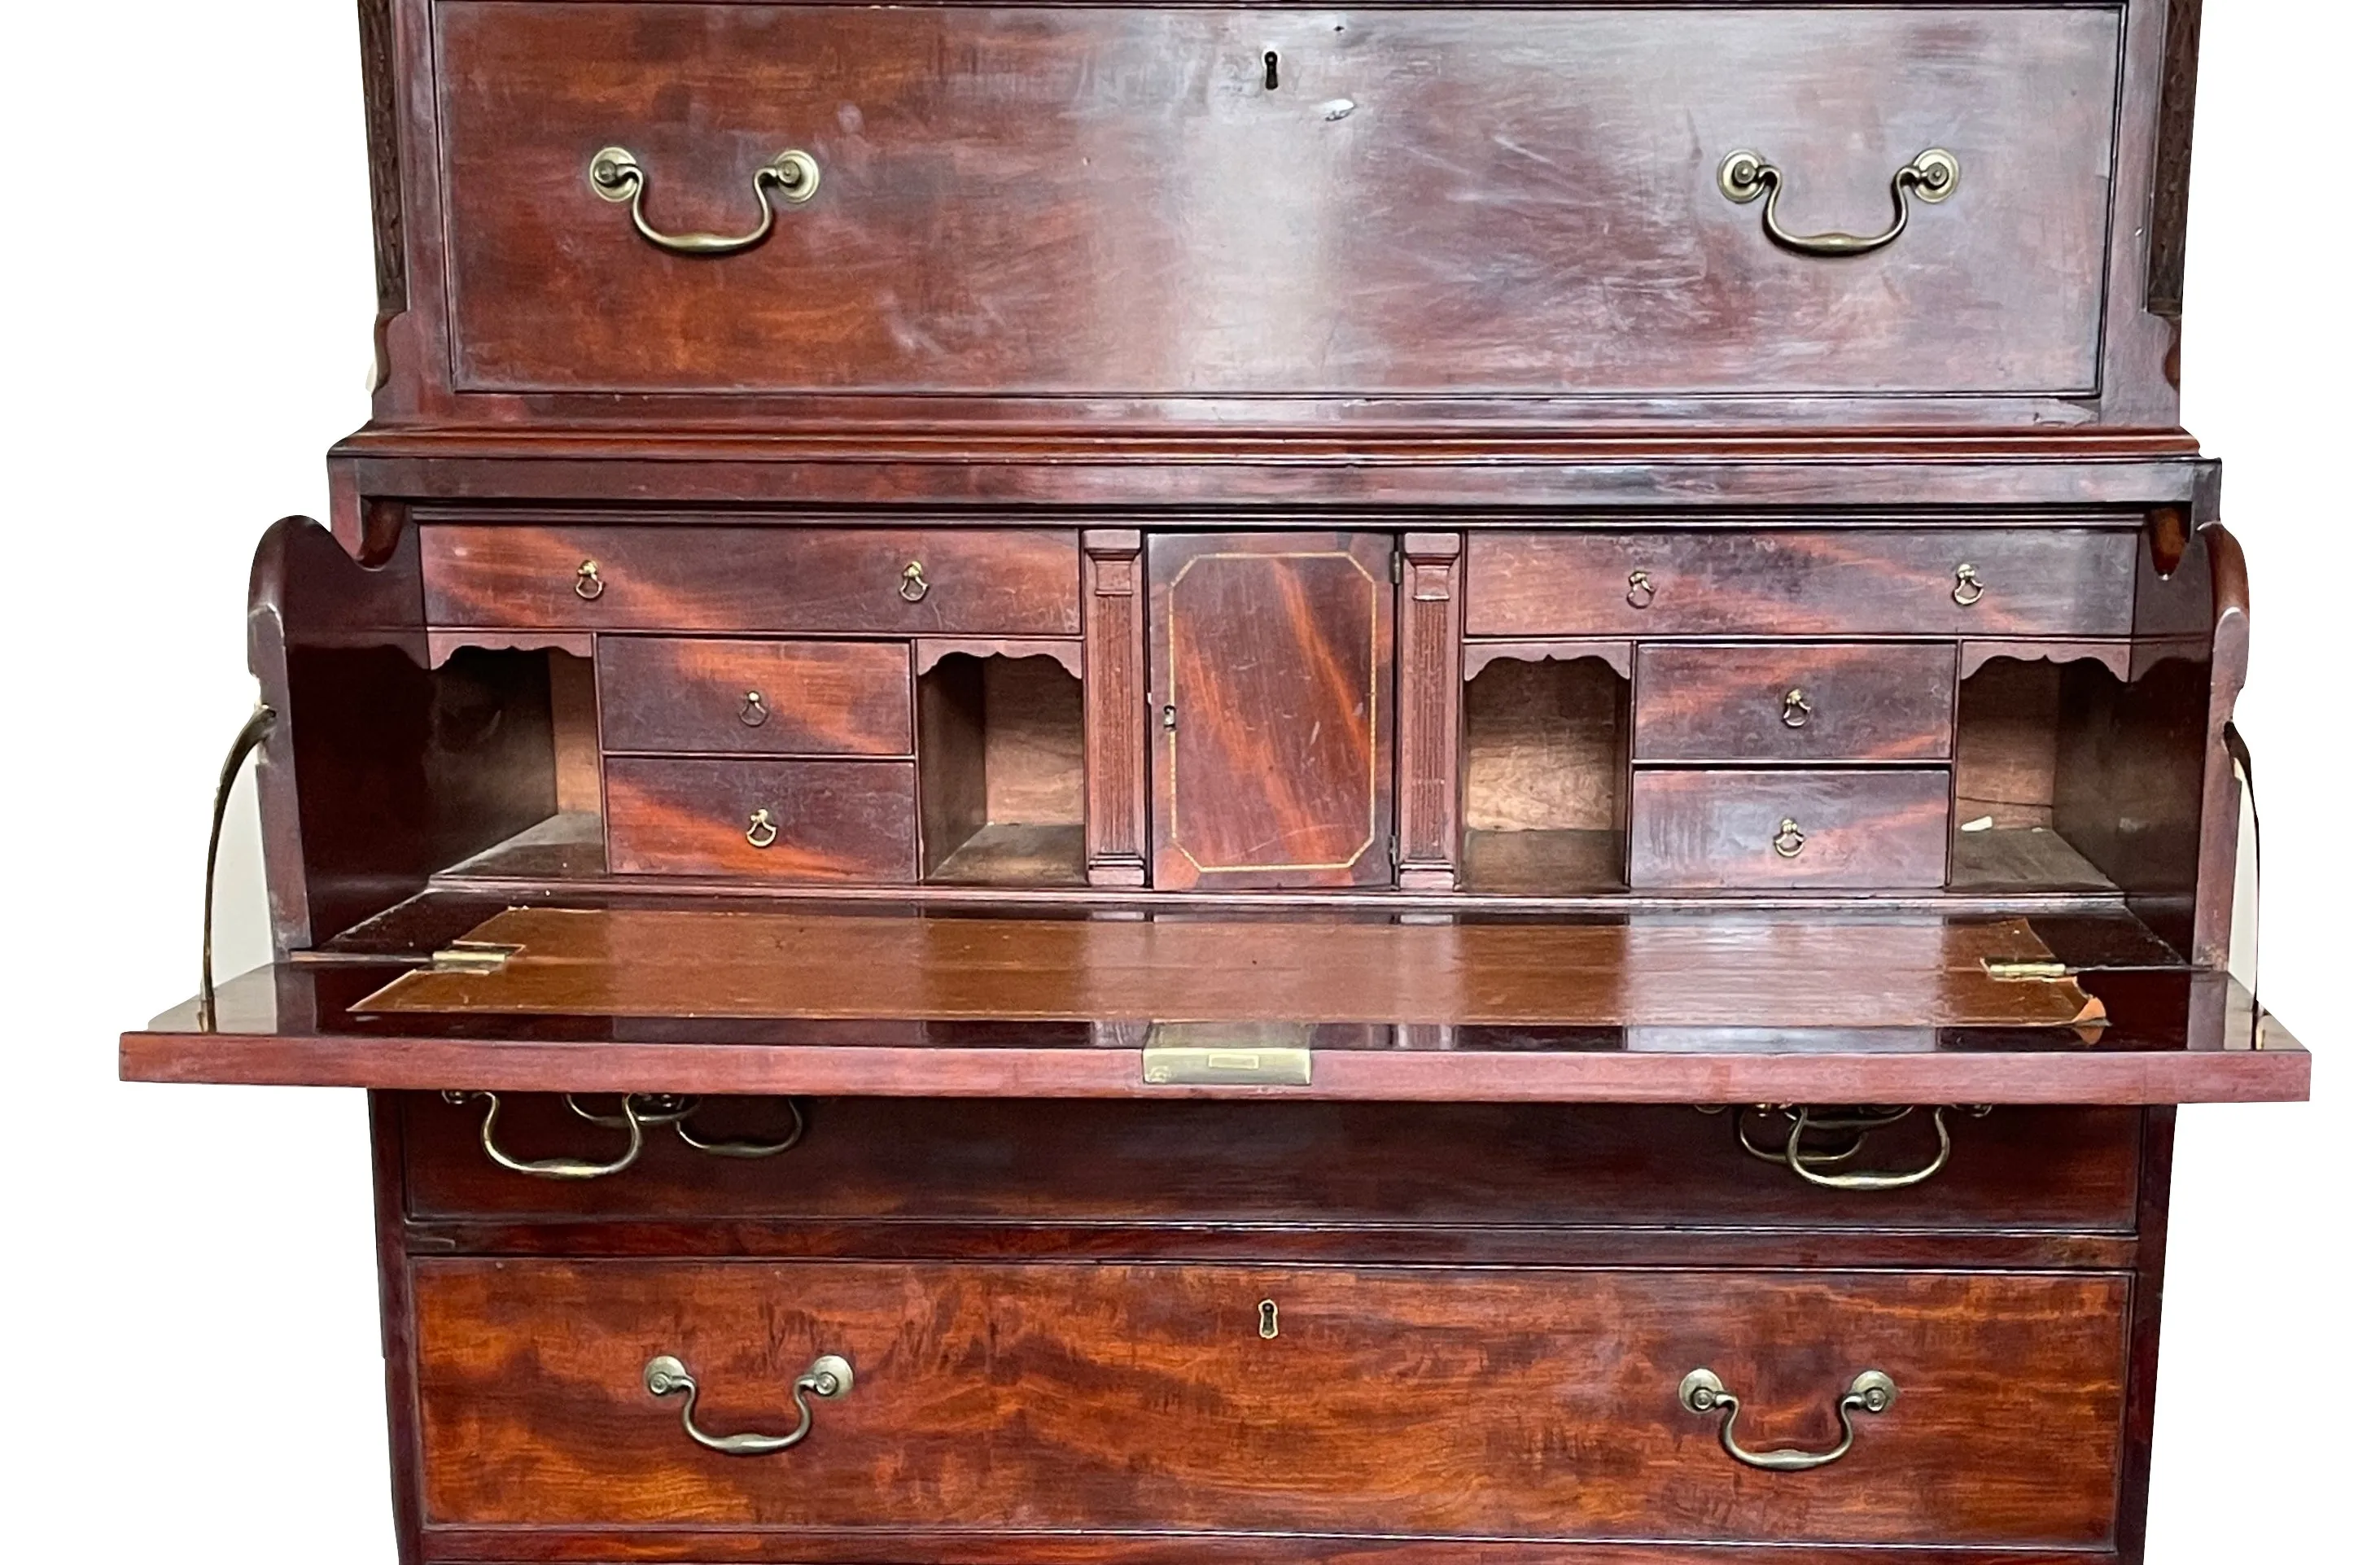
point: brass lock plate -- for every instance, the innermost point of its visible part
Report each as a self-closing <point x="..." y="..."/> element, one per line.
<point x="1227" y="1054"/>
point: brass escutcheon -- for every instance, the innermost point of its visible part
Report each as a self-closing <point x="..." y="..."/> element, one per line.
<point x="763" y="830"/>
<point x="1797" y="713"/>
<point x="1640" y="590"/>
<point x="755" y="711"/>
<point x="1267" y="1319"/>
<point x="913" y="586"/>
<point x="1966" y="586"/>
<point x="590" y="585"/>
<point x="1790" y="840"/>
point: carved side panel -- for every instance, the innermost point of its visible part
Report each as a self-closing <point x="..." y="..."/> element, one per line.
<point x="1115" y="708"/>
<point x="378" y="36"/>
<point x="1429" y="707"/>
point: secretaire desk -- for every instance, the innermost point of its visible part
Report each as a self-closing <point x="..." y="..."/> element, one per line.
<point x="1102" y="783"/>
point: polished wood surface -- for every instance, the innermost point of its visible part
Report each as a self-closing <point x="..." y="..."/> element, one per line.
<point x="1272" y="664"/>
<point x="1844" y="581"/>
<point x="825" y="819"/>
<point x="754" y="579"/>
<point x="1510" y="1404"/>
<point x="1858" y="702"/>
<point x="817" y="697"/>
<point x="1727" y="829"/>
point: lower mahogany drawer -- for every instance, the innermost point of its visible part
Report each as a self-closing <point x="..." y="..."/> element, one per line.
<point x="1056" y="1396"/>
<point x="801" y="821"/>
<point x="1772" y="830"/>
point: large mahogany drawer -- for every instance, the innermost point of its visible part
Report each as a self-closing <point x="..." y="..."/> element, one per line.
<point x="1071" y="1397"/>
<point x="760" y="697"/>
<point x="888" y="581"/>
<point x="1801" y="581"/>
<point x="1728" y="830"/>
<point x="1795" y="702"/>
<point x="807" y="821"/>
<point x="981" y="221"/>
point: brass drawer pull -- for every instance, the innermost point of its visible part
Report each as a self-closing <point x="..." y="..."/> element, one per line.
<point x="1871" y="1392"/>
<point x="755" y="711"/>
<point x="1797" y="713"/>
<point x="1819" y="1142"/>
<point x="637" y="1111"/>
<point x="762" y="830"/>
<point x="1640" y="590"/>
<point x="1791" y="838"/>
<point x="913" y="585"/>
<point x="828" y="1377"/>
<point x="617" y="177"/>
<point x="1931" y="175"/>
<point x="1966" y="587"/>
<point x="590" y="582"/>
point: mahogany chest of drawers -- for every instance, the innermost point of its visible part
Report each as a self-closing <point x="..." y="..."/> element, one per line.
<point x="1134" y="784"/>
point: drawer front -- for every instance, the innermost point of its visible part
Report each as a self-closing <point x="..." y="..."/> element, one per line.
<point x="1807" y="581"/>
<point x="1722" y="829"/>
<point x="1075" y="1397"/>
<point x="764" y="697"/>
<point x="986" y="176"/>
<point x="836" y="580"/>
<point x="1795" y="702"/>
<point x="807" y="820"/>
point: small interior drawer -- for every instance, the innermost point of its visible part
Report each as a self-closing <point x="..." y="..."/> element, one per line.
<point x="801" y="821"/>
<point x="758" y="698"/>
<point x="1789" y="702"/>
<point x="1717" y="829"/>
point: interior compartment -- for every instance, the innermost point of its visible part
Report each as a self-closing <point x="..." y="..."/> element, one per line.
<point x="514" y="741"/>
<point x="1545" y="777"/>
<point x="2070" y="777"/>
<point x="999" y="772"/>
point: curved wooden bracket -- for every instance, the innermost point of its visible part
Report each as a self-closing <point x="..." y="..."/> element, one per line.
<point x="1619" y="656"/>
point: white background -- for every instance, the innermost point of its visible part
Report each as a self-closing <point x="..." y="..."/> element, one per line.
<point x="186" y="1273"/>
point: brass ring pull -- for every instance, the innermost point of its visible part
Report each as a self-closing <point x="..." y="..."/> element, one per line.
<point x="617" y="177"/>
<point x="828" y="1376"/>
<point x="1797" y="713"/>
<point x="737" y="1147"/>
<point x="1966" y="587"/>
<point x="556" y="1168"/>
<point x="590" y="585"/>
<point x="1871" y="1392"/>
<point x="762" y="830"/>
<point x="755" y="709"/>
<point x="1854" y="1123"/>
<point x="1931" y="175"/>
<point x="913" y="586"/>
<point x="1790" y="840"/>
<point x="1640" y="590"/>
<point x="1812" y="1162"/>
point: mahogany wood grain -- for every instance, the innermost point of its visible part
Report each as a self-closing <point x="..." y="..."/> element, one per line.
<point x="771" y="580"/>
<point x="1721" y="829"/>
<point x="817" y="697"/>
<point x="1115" y="708"/>
<point x="1801" y="581"/>
<point x="509" y="1545"/>
<point x="1881" y="702"/>
<point x="1429" y="711"/>
<point x="832" y="820"/>
<point x="1272" y="660"/>
<point x="1516" y="1403"/>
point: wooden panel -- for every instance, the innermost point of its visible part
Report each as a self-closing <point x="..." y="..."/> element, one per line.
<point x="1374" y="1167"/>
<point x="817" y="697"/>
<point x="1510" y="1404"/>
<point x="1720" y="830"/>
<point x="1429" y="711"/>
<point x="1115" y="708"/>
<point x="1272" y="659"/>
<point x="1858" y="703"/>
<point x="1811" y="582"/>
<point x="1019" y="582"/>
<point x="1067" y="201"/>
<point x="833" y="821"/>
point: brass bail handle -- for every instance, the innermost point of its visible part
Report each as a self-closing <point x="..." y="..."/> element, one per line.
<point x="828" y="1377"/>
<point x="1797" y="713"/>
<point x="1746" y="176"/>
<point x="617" y="177"/>
<point x="1871" y="1392"/>
<point x="557" y="1168"/>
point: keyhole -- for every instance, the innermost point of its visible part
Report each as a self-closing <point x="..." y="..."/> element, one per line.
<point x="1272" y="71"/>
<point x="1268" y="1320"/>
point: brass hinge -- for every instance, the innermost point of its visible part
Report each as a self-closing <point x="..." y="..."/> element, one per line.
<point x="471" y="956"/>
<point x="1227" y="1054"/>
<point x="2016" y="972"/>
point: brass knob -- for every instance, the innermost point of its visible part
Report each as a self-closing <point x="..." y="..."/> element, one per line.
<point x="1966" y="586"/>
<point x="755" y="711"/>
<point x="913" y="586"/>
<point x="1797" y="713"/>
<point x="1640" y="590"/>
<point x="590" y="585"/>
<point x="1790" y="840"/>
<point x="762" y="831"/>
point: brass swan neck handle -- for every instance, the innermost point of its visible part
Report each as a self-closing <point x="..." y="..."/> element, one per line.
<point x="828" y="1377"/>
<point x="1871" y="1392"/>
<point x="617" y="177"/>
<point x="1746" y="176"/>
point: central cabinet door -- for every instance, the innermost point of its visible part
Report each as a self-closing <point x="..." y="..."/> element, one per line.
<point x="1270" y="656"/>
